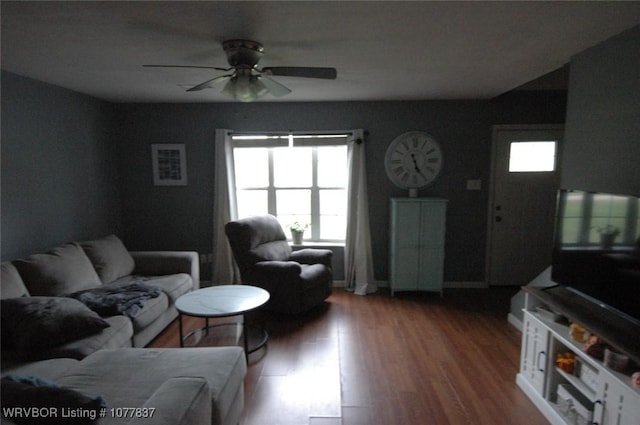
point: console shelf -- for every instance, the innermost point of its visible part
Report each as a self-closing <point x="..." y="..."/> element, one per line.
<point x="617" y="331"/>
<point x="596" y="395"/>
<point x="579" y="385"/>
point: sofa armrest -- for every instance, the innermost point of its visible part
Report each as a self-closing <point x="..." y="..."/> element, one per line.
<point x="312" y="256"/>
<point x="178" y="401"/>
<point x="158" y="263"/>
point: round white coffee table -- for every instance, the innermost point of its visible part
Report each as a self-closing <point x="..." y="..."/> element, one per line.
<point x="223" y="301"/>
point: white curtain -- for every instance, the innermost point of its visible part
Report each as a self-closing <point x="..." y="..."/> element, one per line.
<point x="358" y="262"/>
<point x="224" y="210"/>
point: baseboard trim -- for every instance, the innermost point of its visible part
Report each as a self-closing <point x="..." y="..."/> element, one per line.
<point x="385" y="284"/>
<point x="466" y="284"/>
<point x="445" y="285"/>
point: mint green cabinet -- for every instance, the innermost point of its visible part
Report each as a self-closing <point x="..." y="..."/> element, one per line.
<point x="417" y="244"/>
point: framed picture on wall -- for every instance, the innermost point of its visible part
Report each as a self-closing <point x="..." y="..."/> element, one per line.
<point x="169" y="164"/>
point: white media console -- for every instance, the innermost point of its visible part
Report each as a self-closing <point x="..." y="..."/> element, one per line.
<point x="591" y="394"/>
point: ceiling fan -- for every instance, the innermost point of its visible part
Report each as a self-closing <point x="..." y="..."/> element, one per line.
<point x="247" y="82"/>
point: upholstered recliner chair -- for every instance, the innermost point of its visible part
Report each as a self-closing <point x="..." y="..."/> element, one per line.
<point x="297" y="280"/>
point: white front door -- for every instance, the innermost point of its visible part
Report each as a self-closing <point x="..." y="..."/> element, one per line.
<point x="525" y="180"/>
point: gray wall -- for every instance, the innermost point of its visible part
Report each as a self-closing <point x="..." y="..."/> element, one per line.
<point x="75" y="168"/>
<point x="602" y="133"/>
<point x="180" y="217"/>
<point x="59" y="167"/>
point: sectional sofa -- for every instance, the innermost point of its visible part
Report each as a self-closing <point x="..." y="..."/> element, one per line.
<point x="75" y="320"/>
<point x="42" y="280"/>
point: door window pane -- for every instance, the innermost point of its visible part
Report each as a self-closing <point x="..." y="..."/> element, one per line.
<point x="532" y="156"/>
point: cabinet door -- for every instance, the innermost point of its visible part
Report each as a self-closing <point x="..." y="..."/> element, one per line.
<point x="619" y="404"/>
<point x="534" y="359"/>
<point x="405" y="245"/>
<point x="431" y="273"/>
<point x="432" y="231"/>
<point x="432" y="220"/>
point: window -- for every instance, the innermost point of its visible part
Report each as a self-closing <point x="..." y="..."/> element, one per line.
<point x="587" y="217"/>
<point x="297" y="178"/>
<point x="532" y="156"/>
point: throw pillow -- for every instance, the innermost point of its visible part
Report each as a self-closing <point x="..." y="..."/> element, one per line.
<point x="12" y="284"/>
<point x="109" y="257"/>
<point x="37" y="323"/>
<point x="62" y="270"/>
<point x="34" y="400"/>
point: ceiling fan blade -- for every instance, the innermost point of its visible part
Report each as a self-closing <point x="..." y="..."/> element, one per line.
<point x="301" y="71"/>
<point x="207" y="84"/>
<point x="274" y="87"/>
<point x="187" y="66"/>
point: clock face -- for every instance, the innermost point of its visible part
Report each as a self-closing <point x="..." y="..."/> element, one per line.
<point x="413" y="160"/>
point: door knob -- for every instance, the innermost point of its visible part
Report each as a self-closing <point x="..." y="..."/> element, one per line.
<point x="498" y="218"/>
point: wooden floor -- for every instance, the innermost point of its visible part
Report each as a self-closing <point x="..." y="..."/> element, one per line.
<point x="379" y="360"/>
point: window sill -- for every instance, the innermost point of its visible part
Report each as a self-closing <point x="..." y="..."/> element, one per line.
<point x="310" y="244"/>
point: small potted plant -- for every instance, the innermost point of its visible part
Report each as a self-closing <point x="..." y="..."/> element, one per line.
<point x="297" y="231"/>
<point x="608" y="235"/>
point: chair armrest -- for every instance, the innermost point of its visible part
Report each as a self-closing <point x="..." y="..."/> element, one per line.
<point x="178" y="401"/>
<point x="159" y="263"/>
<point x="277" y="270"/>
<point x="312" y="256"/>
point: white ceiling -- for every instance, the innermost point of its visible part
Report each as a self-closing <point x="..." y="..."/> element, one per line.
<point x="386" y="50"/>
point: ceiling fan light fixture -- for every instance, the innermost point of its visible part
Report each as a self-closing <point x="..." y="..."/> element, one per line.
<point x="248" y="82"/>
<point x="245" y="88"/>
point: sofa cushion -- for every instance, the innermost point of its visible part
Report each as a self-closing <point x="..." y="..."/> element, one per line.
<point x="12" y="284"/>
<point x="20" y="391"/>
<point x="62" y="270"/>
<point x="117" y="335"/>
<point x="181" y="400"/>
<point x="151" y="310"/>
<point x="104" y="372"/>
<point x="32" y="324"/>
<point x="173" y="285"/>
<point x="51" y="369"/>
<point x="109" y="257"/>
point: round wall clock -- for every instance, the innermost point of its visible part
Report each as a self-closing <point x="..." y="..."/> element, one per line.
<point x="413" y="161"/>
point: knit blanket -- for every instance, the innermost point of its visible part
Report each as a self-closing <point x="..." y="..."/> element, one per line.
<point x="125" y="300"/>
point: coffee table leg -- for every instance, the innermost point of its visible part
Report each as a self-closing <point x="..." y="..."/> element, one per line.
<point x="245" y="332"/>
<point x="180" y="327"/>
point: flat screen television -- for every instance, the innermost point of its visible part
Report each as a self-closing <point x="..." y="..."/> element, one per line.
<point x="597" y="249"/>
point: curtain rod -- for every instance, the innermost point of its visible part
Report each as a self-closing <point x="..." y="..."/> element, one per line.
<point x="286" y="133"/>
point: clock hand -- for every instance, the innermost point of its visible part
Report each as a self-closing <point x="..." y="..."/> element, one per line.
<point x="415" y="165"/>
